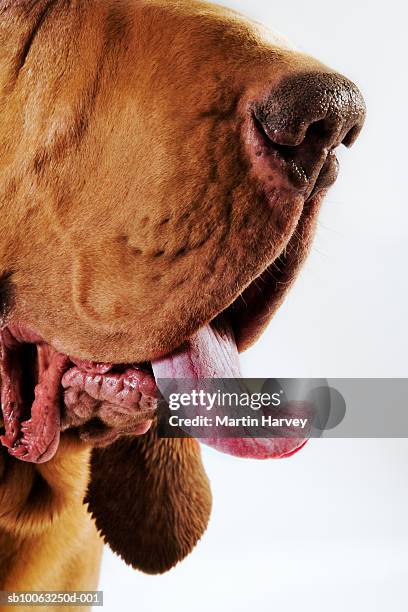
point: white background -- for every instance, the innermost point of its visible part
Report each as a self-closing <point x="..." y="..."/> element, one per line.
<point x="327" y="529"/>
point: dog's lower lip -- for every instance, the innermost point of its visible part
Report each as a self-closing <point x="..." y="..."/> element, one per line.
<point x="125" y="396"/>
<point x="252" y="311"/>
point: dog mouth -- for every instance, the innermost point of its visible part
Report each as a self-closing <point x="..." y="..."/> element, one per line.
<point x="45" y="392"/>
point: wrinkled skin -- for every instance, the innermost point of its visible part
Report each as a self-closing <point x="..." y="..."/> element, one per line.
<point x="126" y="190"/>
<point x="132" y="213"/>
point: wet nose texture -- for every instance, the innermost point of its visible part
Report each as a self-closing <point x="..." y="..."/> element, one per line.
<point x="304" y="119"/>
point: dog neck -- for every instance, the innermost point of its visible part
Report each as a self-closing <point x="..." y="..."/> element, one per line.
<point x="40" y="508"/>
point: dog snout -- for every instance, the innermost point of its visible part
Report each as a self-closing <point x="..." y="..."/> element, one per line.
<point x="303" y="121"/>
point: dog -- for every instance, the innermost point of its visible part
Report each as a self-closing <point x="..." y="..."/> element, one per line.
<point x="162" y="167"/>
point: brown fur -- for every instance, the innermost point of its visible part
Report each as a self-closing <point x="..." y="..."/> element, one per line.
<point x="49" y="541"/>
<point x="126" y="198"/>
<point x="127" y="144"/>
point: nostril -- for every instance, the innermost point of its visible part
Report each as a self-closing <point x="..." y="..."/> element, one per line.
<point x="318" y="131"/>
<point x="285" y="152"/>
<point x="313" y="143"/>
<point x="351" y="136"/>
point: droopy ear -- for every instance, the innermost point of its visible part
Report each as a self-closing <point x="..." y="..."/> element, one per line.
<point x="150" y="498"/>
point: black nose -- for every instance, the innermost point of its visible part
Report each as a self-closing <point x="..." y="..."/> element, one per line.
<point x="304" y="119"/>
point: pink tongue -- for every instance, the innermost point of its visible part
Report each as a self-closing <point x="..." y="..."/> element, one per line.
<point x="213" y="353"/>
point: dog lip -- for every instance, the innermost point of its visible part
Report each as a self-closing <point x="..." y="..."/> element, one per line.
<point x="30" y="385"/>
<point x="327" y="176"/>
<point x="124" y="397"/>
<point x="253" y="309"/>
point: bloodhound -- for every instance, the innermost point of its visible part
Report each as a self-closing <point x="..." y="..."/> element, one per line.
<point x="162" y="165"/>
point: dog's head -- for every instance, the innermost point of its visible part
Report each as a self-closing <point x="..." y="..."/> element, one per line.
<point x="162" y="166"/>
